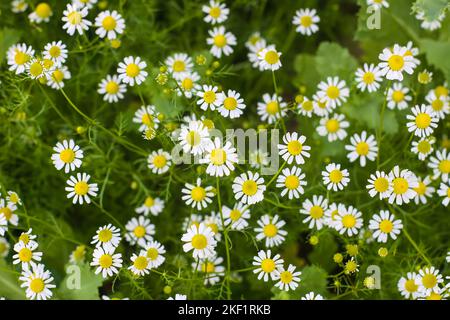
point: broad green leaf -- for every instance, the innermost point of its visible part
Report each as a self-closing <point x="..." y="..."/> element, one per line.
<point x="323" y="252"/>
<point x="8" y="37"/>
<point x="9" y="283"/>
<point x="313" y="278"/>
<point x="437" y="53"/>
<point x="307" y="75"/>
<point x="334" y="60"/>
<point x="89" y="283"/>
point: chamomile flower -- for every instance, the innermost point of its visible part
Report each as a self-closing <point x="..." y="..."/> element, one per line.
<point x="179" y="65"/>
<point x="220" y="158"/>
<point x="201" y="240"/>
<point x="384" y="226"/>
<point x="79" y="189"/>
<point x="73" y="18"/>
<point x="209" y="98"/>
<point x="139" y="231"/>
<point x="292" y="181"/>
<point x="197" y="196"/>
<point x="306" y="107"/>
<point x="334" y="91"/>
<point x="237" y="216"/>
<point x="253" y="39"/>
<point x="147" y="118"/>
<point x="7" y="210"/>
<point x="321" y="107"/>
<point x="349" y="221"/>
<point x="294" y="148"/>
<point x="315" y="211"/>
<point x="106" y="261"/>
<point x="28" y="238"/>
<point x="363" y="147"/>
<point x="112" y="88"/>
<point x="4" y="247"/>
<point x="306" y="21"/>
<point x="378" y="4"/>
<point x="57" y="77"/>
<point x="270" y="229"/>
<point x="78" y="255"/>
<point x="42" y="13"/>
<point x="394" y="62"/>
<point x="253" y="54"/>
<point x="331" y="214"/>
<point x="397" y="96"/>
<point x="428" y="24"/>
<point x="192" y="219"/>
<point x="56" y="51"/>
<point x="37" y="69"/>
<point x="221" y="42"/>
<point x="334" y="177"/>
<point x="151" y="205"/>
<point x="271" y="108"/>
<point x="368" y="78"/>
<point x="132" y="70"/>
<point x="403" y="183"/>
<point x="333" y="127"/>
<point x="424" y="190"/>
<point x="379" y="184"/>
<point x="429" y="280"/>
<point x="412" y="51"/>
<point x="37" y="281"/>
<point x="440" y="163"/>
<point x="249" y="188"/>
<point x="444" y="191"/>
<point x="288" y="279"/>
<point x="267" y="265"/>
<point x="18" y="6"/>
<point x="26" y="253"/>
<point x="159" y="161"/>
<point x="269" y="58"/>
<point x="84" y="3"/>
<point x="423" y="147"/>
<point x="155" y="253"/>
<point x="439" y="104"/>
<point x="232" y="104"/>
<point x="409" y="286"/>
<point x="141" y="264"/>
<point x="216" y="12"/>
<point x="107" y="237"/>
<point x="13" y="198"/>
<point x="214" y="222"/>
<point x="212" y="268"/>
<point x="187" y="84"/>
<point x="3" y="225"/>
<point x="109" y="24"/>
<point x="18" y="56"/>
<point x="312" y="296"/>
<point x="422" y="121"/>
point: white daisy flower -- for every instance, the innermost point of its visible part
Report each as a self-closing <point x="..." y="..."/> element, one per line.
<point x="220" y="158"/>
<point x="84" y="3"/>
<point x="363" y="147"/>
<point x="334" y="91"/>
<point x="253" y="54"/>
<point x="37" y="69"/>
<point x="109" y="24"/>
<point x="315" y="211"/>
<point x="57" y="77"/>
<point x="201" y="240"/>
<point x="37" y="281"/>
<point x="13" y="198"/>
<point x="193" y="219"/>
<point x="18" y="56"/>
<point x="19" y="6"/>
<point x="334" y="177"/>
<point x="321" y="107"/>
<point x="423" y="147"/>
<point x="267" y="265"/>
<point x="439" y="104"/>
<point x="331" y="214"/>
<point x="179" y="65"/>
<point x="253" y="39"/>
<point x="28" y="238"/>
<point x="394" y="63"/>
<point x="270" y="229"/>
<point x="216" y="12"/>
<point x="107" y="237"/>
<point x="132" y="70"/>
<point x="42" y="13"/>
<point x="4" y="247"/>
<point x="249" y="188"/>
<point x="214" y="222"/>
<point x="333" y="127"/>
<point x="26" y="253"/>
<point x="56" y="51"/>
<point x="368" y="78"/>
<point x="197" y="196"/>
<point x="237" y="216"/>
<point x="292" y="181"/>
<point x="379" y="184"/>
<point x="139" y="231"/>
<point x="212" y="269"/>
<point x="7" y="210"/>
<point x="141" y="264"/>
<point x="287" y="279"/>
<point x="112" y="88"/>
<point x="232" y="104"/>
<point x="349" y="221"/>
<point x="3" y="225"/>
<point x="424" y="190"/>
<point x="106" y="262"/>
<point x="155" y="253"/>
<point x="403" y="183"/>
<point x="428" y="24"/>
<point x="306" y="107"/>
<point x="412" y="51"/>
<point x="422" y="121"/>
<point x="378" y="4"/>
<point x="312" y="296"/>
<point x="221" y="42"/>
<point x="147" y="118"/>
<point x="151" y="205"/>
<point x="294" y="148"/>
<point x="440" y="165"/>
<point x="209" y="98"/>
<point x="385" y="226"/>
<point x="272" y="108"/>
<point x="306" y="21"/>
<point x="159" y="161"/>
<point x="429" y="280"/>
<point x="269" y="58"/>
<point x="78" y="255"/>
<point x="187" y="85"/>
<point x="409" y="286"/>
<point x="397" y="96"/>
<point x="73" y="18"/>
<point x="444" y="191"/>
<point x="79" y="189"/>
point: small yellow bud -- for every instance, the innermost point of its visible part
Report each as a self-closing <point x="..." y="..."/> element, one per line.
<point x="103" y="5"/>
<point x="115" y="43"/>
<point x="216" y="64"/>
<point x="352" y="249"/>
<point x="314" y="240"/>
<point x="200" y="59"/>
<point x="161" y="117"/>
<point x="163" y="69"/>
<point x="209" y="72"/>
<point x="208" y="123"/>
<point x="167" y="289"/>
<point x="338" y="258"/>
<point x="161" y="78"/>
<point x="81" y="129"/>
<point x="299" y="98"/>
<point x="383" y="252"/>
<point x="369" y="282"/>
<point x="425" y="77"/>
<point x="134" y="185"/>
<point x="200" y="170"/>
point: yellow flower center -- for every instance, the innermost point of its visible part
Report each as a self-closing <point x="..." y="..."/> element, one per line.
<point x="159" y="161"/>
<point x="149" y="202"/>
<point x="21" y="57"/>
<point x="208" y="267"/>
<point x="333" y="92"/>
<point x="398" y="96"/>
<point x="112" y="87"/>
<point x="268" y="265"/>
<point x="132" y="70"/>
<point x="81" y="188"/>
<point x="215" y="12"/>
<point x="179" y="66"/>
<point x="272" y="107"/>
<point x="25" y="255"/>
<point x="336" y="176"/>
<point x="109" y="23"/>
<point x="249" y="187"/>
<point x="423" y="120"/>
<point x="209" y="97"/>
<point x="208" y="123"/>
<point x="271" y="57"/>
<point x="421" y="189"/>
<point x="198" y="194"/>
<point x="54" y="52"/>
<point x="105" y="235"/>
<point x="218" y="157"/>
<point x="105" y="261"/>
<point x="43" y="10"/>
<point x="270" y="230"/>
<point x="140" y="263"/>
<point x="6" y="212"/>
<point x="411" y="286"/>
<point x="424" y="146"/>
<point x="199" y="242"/>
<point x="152" y="253"/>
<point x="187" y="83"/>
<point x="386" y="226"/>
<point x="307" y="105"/>
<point x="306" y="21"/>
<point x="441" y="91"/>
<point x="396" y="62"/>
<point x="332" y="125"/>
<point x="368" y="78"/>
<point x="316" y="212"/>
<point x="235" y="214"/>
<point x="362" y="148"/>
<point x="2" y="248"/>
<point x="437" y="105"/>
<point x="36" y="69"/>
<point x="381" y="184"/>
<point x="294" y="147"/>
<point x="429" y="281"/>
<point x="434" y="296"/>
<point x="79" y="253"/>
<point x="220" y="41"/>
<point x="74" y="18"/>
<point x="58" y="75"/>
<point x="230" y="103"/>
<point x="139" y="231"/>
<point x="25" y="238"/>
<point x="286" y="277"/>
<point x="444" y="166"/>
<point x="37" y="285"/>
<point x="214" y="227"/>
<point x="292" y="182"/>
<point x="400" y="185"/>
<point x="349" y="221"/>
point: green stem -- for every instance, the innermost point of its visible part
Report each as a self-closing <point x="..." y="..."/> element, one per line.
<point x="225" y="234"/>
<point x="414" y="244"/>
<point x="275" y="86"/>
<point x="276" y="175"/>
<point x="381" y="125"/>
